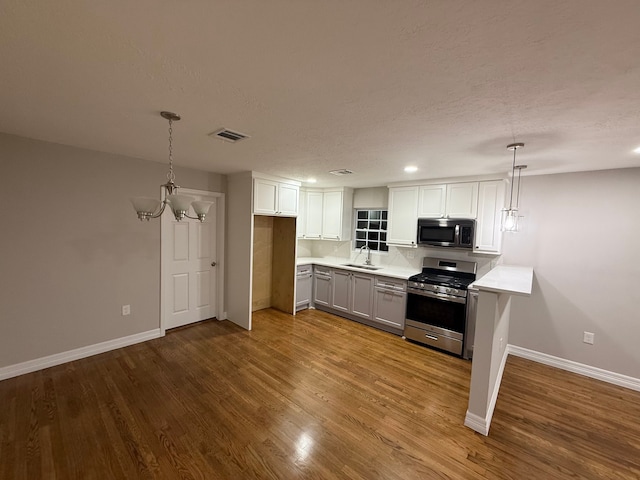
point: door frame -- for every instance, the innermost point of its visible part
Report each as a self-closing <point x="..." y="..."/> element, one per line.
<point x="220" y="251"/>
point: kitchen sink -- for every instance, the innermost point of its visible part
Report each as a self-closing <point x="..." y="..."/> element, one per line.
<point x="364" y="267"/>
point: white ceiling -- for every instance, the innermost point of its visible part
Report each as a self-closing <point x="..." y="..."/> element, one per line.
<point x="366" y="85"/>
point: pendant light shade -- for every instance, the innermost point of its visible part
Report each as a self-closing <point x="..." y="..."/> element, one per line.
<point x="510" y="217"/>
<point x="148" y="208"/>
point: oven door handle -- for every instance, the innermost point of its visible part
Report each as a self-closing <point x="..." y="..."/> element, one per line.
<point x="439" y="296"/>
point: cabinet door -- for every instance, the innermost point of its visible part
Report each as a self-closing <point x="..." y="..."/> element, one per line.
<point x="301" y="221"/>
<point x="341" y="290"/>
<point x="332" y="215"/>
<point x="288" y="200"/>
<point x="390" y="307"/>
<point x="403" y="216"/>
<point x="314" y="215"/>
<point x="304" y="281"/>
<point x="322" y="290"/>
<point x="265" y="197"/>
<point x="462" y="200"/>
<point x="490" y="203"/>
<point x="362" y="295"/>
<point x="432" y="201"/>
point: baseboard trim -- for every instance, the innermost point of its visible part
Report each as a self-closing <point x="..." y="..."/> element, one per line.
<point x="476" y="422"/>
<point x="575" y="367"/>
<point x="76" y="354"/>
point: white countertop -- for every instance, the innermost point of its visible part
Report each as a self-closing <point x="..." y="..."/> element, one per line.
<point x="512" y="279"/>
<point x="385" y="270"/>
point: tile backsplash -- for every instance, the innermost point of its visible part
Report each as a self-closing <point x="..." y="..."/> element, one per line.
<point x="410" y="258"/>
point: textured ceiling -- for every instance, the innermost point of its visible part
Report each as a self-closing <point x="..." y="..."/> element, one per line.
<point x="366" y="85"/>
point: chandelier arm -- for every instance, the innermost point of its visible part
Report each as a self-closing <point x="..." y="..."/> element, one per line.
<point x="161" y="211"/>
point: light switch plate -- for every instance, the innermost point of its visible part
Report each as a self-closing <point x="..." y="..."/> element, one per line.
<point x="588" y="338"/>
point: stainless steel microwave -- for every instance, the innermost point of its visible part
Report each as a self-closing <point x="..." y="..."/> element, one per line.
<point x="446" y="232"/>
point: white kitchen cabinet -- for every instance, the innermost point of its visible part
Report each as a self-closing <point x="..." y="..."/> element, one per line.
<point x="337" y="205"/>
<point x="432" y="200"/>
<point x="314" y="214"/>
<point x="271" y="197"/>
<point x="403" y="216"/>
<point x="453" y="200"/>
<point x="322" y="286"/>
<point x="327" y="214"/>
<point x="488" y="237"/>
<point x="390" y="302"/>
<point x="462" y="200"/>
<point x="301" y="221"/>
<point x="304" y="282"/>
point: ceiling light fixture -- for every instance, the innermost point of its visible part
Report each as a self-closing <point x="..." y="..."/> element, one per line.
<point x="411" y="169"/>
<point x="510" y="215"/>
<point x="311" y="180"/>
<point x="148" y="208"/>
<point x="636" y="150"/>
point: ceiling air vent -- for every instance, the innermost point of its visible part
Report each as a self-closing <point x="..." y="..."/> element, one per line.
<point x="342" y="171"/>
<point x="229" y="135"/>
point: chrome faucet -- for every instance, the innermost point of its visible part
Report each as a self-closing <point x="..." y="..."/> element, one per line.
<point x="368" y="259"/>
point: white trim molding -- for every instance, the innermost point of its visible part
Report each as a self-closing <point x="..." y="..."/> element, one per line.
<point x="76" y="354"/>
<point x="575" y="367"/>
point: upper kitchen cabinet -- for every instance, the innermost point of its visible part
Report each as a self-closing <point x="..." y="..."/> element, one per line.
<point x="327" y="214"/>
<point x="273" y="197"/>
<point x="488" y="238"/>
<point x="454" y="200"/>
<point x="403" y="216"/>
<point x="337" y="205"/>
<point x="313" y="214"/>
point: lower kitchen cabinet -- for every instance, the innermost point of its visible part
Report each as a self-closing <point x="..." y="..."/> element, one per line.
<point x="322" y="286"/>
<point x="340" y="290"/>
<point x="304" y="282"/>
<point x="374" y="300"/>
<point x="352" y="292"/>
<point x="390" y="302"/>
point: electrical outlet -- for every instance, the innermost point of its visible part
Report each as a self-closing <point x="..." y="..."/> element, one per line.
<point x="126" y="310"/>
<point x="501" y="343"/>
<point x="588" y="337"/>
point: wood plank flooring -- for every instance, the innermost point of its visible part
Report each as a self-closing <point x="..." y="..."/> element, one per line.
<point x="314" y="397"/>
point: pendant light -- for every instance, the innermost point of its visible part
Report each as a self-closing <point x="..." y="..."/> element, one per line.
<point x="510" y="215"/>
<point x="148" y="208"/>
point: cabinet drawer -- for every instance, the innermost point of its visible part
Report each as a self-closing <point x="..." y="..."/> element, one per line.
<point x="391" y="283"/>
<point x="320" y="270"/>
<point x="433" y="339"/>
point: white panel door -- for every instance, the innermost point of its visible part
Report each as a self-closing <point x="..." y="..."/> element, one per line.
<point x="190" y="273"/>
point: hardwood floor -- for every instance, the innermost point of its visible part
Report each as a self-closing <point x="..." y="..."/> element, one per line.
<point x="313" y="396"/>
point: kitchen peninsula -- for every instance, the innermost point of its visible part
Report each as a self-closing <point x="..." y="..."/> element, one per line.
<point x="491" y="339"/>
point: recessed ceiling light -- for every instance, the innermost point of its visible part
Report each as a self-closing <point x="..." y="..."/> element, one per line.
<point x="411" y="169"/>
<point x="311" y="180"/>
<point x="636" y="150"/>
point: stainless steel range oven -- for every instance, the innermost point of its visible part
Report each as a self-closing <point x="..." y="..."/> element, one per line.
<point x="437" y="304"/>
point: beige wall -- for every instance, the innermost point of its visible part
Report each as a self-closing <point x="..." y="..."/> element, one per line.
<point x="262" y="262"/>
<point x="581" y="233"/>
<point x="72" y="250"/>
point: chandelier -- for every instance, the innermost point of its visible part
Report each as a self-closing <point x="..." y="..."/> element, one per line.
<point x="510" y="215"/>
<point x="148" y="208"/>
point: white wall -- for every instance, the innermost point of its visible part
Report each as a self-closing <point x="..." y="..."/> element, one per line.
<point x="72" y="250"/>
<point x="581" y="233"/>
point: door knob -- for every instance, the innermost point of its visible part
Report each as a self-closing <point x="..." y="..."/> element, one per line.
<point x="213" y="264"/>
